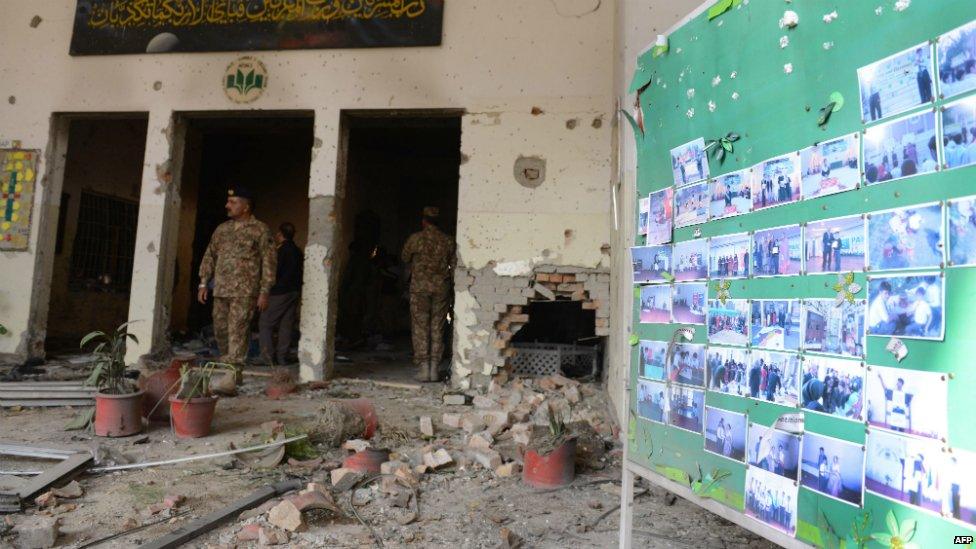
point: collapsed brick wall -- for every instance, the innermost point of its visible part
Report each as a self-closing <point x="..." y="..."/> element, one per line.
<point x="483" y="344"/>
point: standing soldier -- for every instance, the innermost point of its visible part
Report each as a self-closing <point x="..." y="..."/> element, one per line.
<point x="431" y="257"/>
<point x="241" y="260"/>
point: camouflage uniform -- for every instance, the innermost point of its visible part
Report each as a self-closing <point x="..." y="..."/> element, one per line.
<point x="431" y="255"/>
<point x="241" y="259"/>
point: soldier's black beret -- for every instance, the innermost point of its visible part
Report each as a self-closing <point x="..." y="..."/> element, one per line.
<point x="240" y="192"/>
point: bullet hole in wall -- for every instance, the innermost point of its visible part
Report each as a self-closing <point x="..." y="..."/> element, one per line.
<point x="597" y="122"/>
<point x="571" y="123"/>
<point x="157" y="85"/>
<point x="12" y="99"/>
<point x="35" y="21"/>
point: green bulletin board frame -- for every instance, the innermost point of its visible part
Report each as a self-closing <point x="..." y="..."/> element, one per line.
<point x="776" y="113"/>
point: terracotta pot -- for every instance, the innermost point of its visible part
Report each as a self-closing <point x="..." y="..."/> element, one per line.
<point x="118" y="415"/>
<point x="159" y="386"/>
<point x="556" y="469"/>
<point x="279" y="389"/>
<point x="366" y="461"/>
<point x="365" y="408"/>
<point x="191" y="418"/>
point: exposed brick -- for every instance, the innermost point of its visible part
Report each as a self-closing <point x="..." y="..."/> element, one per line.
<point x="542" y="277"/>
<point x="499" y="343"/>
<point x="569" y="287"/>
<point x="544" y="292"/>
<point x="602" y="332"/>
<point x="591" y="305"/>
<point x="523" y="318"/>
<point x="602" y="322"/>
<point x="556" y="278"/>
<point x="516" y="310"/>
<point x="578" y="295"/>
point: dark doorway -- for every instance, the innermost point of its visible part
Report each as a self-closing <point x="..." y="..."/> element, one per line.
<point x="96" y="233"/>
<point x="392" y="166"/>
<point x="268" y="154"/>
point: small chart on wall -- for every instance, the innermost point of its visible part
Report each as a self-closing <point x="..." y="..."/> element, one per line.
<point x="18" y="172"/>
<point x="810" y="377"/>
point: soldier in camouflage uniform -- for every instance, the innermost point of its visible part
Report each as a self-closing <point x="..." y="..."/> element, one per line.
<point x="241" y="260"/>
<point x="430" y="254"/>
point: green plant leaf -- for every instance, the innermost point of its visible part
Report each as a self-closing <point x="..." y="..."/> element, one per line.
<point x="89" y="337"/>
<point x="891" y="523"/>
<point x="82" y="420"/>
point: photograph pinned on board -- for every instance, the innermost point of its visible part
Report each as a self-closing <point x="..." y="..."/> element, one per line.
<point x="650" y="263"/>
<point x="652" y="359"/>
<point x="908" y="306"/>
<point x="775" y="377"/>
<point x="655" y="304"/>
<point x="661" y="216"/>
<point x="961" y="499"/>
<point x="689" y="162"/>
<point x="731" y="194"/>
<point x="907" y="470"/>
<point x="835" y="245"/>
<point x="728" y="323"/>
<point x="901" y="148"/>
<point x="777" y="252"/>
<point x="691" y="260"/>
<point x="959" y="133"/>
<point x="830" y="167"/>
<point x="897" y="83"/>
<point x="728" y="369"/>
<point x="834" y="330"/>
<point x="771" y="500"/>
<point x="906" y="238"/>
<point x="909" y="402"/>
<point x="652" y="400"/>
<point x="691" y="204"/>
<point x="773" y="450"/>
<point x="686" y="408"/>
<point x="833" y="386"/>
<point x="962" y="231"/>
<point x="728" y="256"/>
<point x="643" y="214"/>
<point x="725" y="433"/>
<point x="776" y="181"/>
<point x="688" y="364"/>
<point x="957" y="60"/>
<point x="775" y="324"/>
<point x="688" y="304"/>
<point x="833" y="467"/>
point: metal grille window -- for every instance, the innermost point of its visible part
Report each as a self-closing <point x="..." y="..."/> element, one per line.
<point x="104" y="245"/>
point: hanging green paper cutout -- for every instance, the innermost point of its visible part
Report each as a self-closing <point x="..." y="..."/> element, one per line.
<point x="721" y="7"/>
<point x="638" y="131"/>
<point x="634" y="340"/>
<point x="724" y="146"/>
<point x="836" y="103"/>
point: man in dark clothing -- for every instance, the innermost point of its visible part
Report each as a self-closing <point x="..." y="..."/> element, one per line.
<point x="772" y="384"/>
<point x="924" y="79"/>
<point x="828" y="240"/>
<point x="755" y="379"/>
<point x="284" y="298"/>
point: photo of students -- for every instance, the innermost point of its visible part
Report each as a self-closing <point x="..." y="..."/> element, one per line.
<point x="835" y="245"/>
<point x="910" y="402"/>
<point x="691" y="204"/>
<point x="908" y="306"/>
<point x="776" y="181"/>
<point x="652" y="400"/>
<point x="833" y="386"/>
<point x="959" y="502"/>
<point x="661" y="217"/>
<point x="731" y="194"/>
<point x="652" y="359"/>
<point x="728" y="256"/>
<point x="689" y="162"/>
<point x="691" y="260"/>
<point x="728" y="370"/>
<point x="957" y="60"/>
<point x="776" y="252"/>
<point x="834" y="329"/>
<point x="833" y="467"/>
<point x="728" y="323"/>
<point x="650" y="262"/>
<point x="771" y="499"/>
<point x="959" y="133"/>
<point x="830" y="167"/>
<point x="775" y="377"/>
<point x="901" y="148"/>
<point x="905" y="469"/>
<point x="655" y="304"/>
<point x="962" y="231"/>
<point x="896" y="83"/>
<point x="775" y="324"/>
<point x="688" y="305"/>
<point x="773" y="450"/>
<point x="725" y="433"/>
<point x="643" y="213"/>
<point x="686" y="408"/>
<point x="906" y="238"/>
<point x="688" y="364"/>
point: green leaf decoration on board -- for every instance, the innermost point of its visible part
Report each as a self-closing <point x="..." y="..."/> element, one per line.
<point x="721" y="7"/>
<point x="722" y="145"/>
<point x="667" y="276"/>
<point x="634" y="340"/>
<point x="658" y="51"/>
<point x="899" y="535"/>
<point x="722" y="288"/>
<point x="846" y="289"/>
<point x="638" y="131"/>
<point x="704" y="486"/>
<point x="836" y="103"/>
<point x="859" y="537"/>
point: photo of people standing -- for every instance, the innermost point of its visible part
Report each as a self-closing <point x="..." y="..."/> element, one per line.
<point x="835" y="245"/>
<point x="911" y="402"/>
<point x="834" y="329"/>
<point x="728" y="256"/>
<point x="907" y="306"/>
<point x="771" y="499"/>
<point x="643" y="214"/>
<point x="655" y="304"/>
<point x="689" y="162"/>
<point x="896" y="83"/>
<point x="686" y="409"/>
<point x="773" y="450"/>
<point x="962" y="231"/>
<point x="775" y="377"/>
<point x="833" y="467"/>
<point x="731" y="194"/>
<point x="725" y="433"/>
<point x="728" y="323"/>
<point x="957" y="60"/>
<point x="906" y="469"/>
<point x="652" y="359"/>
<point x="906" y="238"/>
<point x="776" y="252"/>
<point x="650" y="262"/>
<point x="652" y="400"/>
<point x="727" y="369"/>
<point x="901" y="148"/>
<point x="688" y="364"/>
<point x="960" y="501"/>
<point x="833" y="386"/>
<point x="688" y="306"/>
<point x="691" y="204"/>
<point x="775" y="324"/>
<point x="830" y="167"/>
<point x="776" y="181"/>
<point x="959" y="133"/>
<point x="661" y="217"/>
<point x="691" y="260"/>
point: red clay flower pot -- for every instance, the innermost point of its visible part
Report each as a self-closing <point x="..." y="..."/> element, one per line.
<point x="159" y="386"/>
<point x="118" y="415"/>
<point x="279" y="389"/>
<point x="556" y="469"/>
<point x="365" y="408"/>
<point x="191" y="418"/>
<point x="367" y="461"/>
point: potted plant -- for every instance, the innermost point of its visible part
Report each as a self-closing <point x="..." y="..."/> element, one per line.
<point x="550" y="462"/>
<point x="191" y="409"/>
<point x="118" y="402"/>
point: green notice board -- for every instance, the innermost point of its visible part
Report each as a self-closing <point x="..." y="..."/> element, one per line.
<point x="737" y="74"/>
